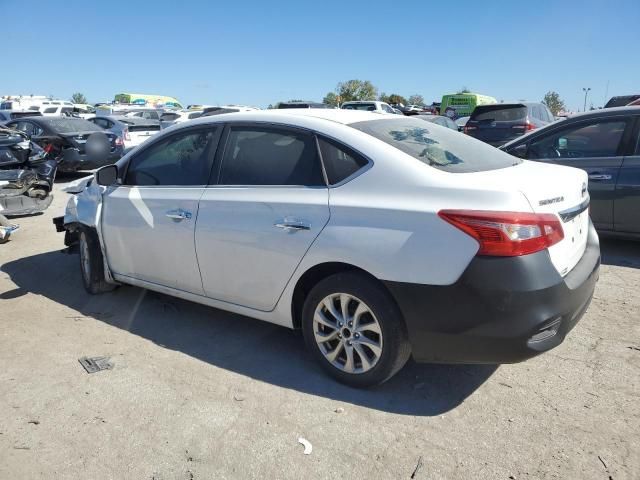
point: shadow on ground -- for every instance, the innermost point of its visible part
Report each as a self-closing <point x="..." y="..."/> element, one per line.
<point x="621" y="253"/>
<point x="259" y="350"/>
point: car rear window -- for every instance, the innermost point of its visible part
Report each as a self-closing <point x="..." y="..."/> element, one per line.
<point x="169" y="117"/>
<point x="367" y="107"/>
<point x="71" y="125"/>
<point x="499" y="113"/>
<point x="438" y="147"/>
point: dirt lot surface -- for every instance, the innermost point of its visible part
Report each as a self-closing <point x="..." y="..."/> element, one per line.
<point x="197" y="393"/>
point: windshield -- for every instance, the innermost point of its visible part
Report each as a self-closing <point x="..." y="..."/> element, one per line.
<point x="71" y="125"/>
<point x="438" y="147"/>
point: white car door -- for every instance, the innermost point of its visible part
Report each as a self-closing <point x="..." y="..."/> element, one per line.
<point x="257" y="223"/>
<point x="148" y="223"/>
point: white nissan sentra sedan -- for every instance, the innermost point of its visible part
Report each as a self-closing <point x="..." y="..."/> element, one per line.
<point x="379" y="236"/>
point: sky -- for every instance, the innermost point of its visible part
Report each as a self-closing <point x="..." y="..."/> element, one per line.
<point x="261" y="52"/>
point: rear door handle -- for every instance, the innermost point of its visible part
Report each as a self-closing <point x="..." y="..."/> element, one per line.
<point x="291" y="226"/>
<point x="178" y="214"/>
<point x="599" y="176"/>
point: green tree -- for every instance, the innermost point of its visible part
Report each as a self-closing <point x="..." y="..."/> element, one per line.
<point x="416" y="99"/>
<point x="331" y="99"/>
<point x="78" y="98"/>
<point x="464" y="90"/>
<point x="554" y="102"/>
<point x="354" y="90"/>
<point x="393" y="99"/>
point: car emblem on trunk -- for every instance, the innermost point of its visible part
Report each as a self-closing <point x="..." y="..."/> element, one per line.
<point x="584" y="189"/>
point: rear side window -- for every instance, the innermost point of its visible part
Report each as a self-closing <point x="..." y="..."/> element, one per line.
<point x="339" y="162"/>
<point x="593" y="139"/>
<point x="50" y="110"/>
<point x="499" y="114"/>
<point x="441" y="148"/>
<point x="181" y="159"/>
<point x="259" y="156"/>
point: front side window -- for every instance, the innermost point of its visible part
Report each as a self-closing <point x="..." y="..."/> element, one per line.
<point x="180" y="159"/>
<point x="51" y="110"/>
<point x="265" y="156"/>
<point x="339" y="162"/>
<point x="594" y="139"/>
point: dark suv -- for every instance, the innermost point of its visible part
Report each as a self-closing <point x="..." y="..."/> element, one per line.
<point x="499" y="123"/>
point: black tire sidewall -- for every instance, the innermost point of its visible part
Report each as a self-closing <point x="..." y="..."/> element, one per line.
<point x="95" y="274"/>
<point x="395" y="347"/>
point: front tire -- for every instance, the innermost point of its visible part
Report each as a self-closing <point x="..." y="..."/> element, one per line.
<point x="91" y="263"/>
<point x="354" y="329"/>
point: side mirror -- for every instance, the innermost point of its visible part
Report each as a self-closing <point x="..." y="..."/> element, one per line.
<point x="107" y="175"/>
<point x="520" y="151"/>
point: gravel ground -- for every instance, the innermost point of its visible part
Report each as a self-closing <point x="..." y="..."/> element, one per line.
<point x="197" y="393"/>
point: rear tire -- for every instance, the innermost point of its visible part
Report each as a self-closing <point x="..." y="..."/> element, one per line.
<point x="354" y="329"/>
<point x="91" y="263"/>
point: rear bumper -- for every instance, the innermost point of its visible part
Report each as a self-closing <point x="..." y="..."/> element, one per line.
<point x="501" y="310"/>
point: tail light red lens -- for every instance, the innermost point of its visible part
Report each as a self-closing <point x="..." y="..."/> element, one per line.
<point x="507" y="234"/>
<point x="469" y="128"/>
<point x="119" y="141"/>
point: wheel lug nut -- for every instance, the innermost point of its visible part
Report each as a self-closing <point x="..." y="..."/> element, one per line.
<point x="357" y="335"/>
<point x="349" y="343"/>
<point x="351" y="324"/>
<point x="340" y="324"/>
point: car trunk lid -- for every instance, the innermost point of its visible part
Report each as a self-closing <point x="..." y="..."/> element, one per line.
<point x="549" y="189"/>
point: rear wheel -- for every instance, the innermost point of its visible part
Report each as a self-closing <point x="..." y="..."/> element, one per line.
<point x="91" y="265"/>
<point x="354" y="329"/>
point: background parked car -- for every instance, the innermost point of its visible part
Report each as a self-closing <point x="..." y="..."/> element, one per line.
<point x="605" y="143"/>
<point x="621" y="101"/>
<point x="497" y="124"/>
<point x="303" y="105"/>
<point x="440" y="120"/>
<point x="6" y="115"/>
<point x="210" y="111"/>
<point x="461" y="122"/>
<point x="373" y="106"/>
<point x="26" y="174"/>
<point x="132" y="130"/>
<point x="168" y="119"/>
<point x="75" y="143"/>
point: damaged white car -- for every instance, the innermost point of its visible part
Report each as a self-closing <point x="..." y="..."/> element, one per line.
<point x="380" y="236"/>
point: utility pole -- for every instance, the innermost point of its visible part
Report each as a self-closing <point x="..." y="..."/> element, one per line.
<point x="586" y="92"/>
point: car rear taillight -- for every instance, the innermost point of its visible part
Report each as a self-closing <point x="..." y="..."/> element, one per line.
<point x="507" y="234"/>
<point x="469" y="128"/>
<point x="118" y="141"/>
<point x="526" y="126"/>
<point x="126" y="134"/>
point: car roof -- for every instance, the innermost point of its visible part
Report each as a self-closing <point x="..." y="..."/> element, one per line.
<point x="605" y="112"/>
<point x="344" y="117"/>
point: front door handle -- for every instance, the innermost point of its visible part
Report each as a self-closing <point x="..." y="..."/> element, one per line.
<point x="292" y="226"/>
<point x="178" y="214"/>
<point x="599" y="176"/>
